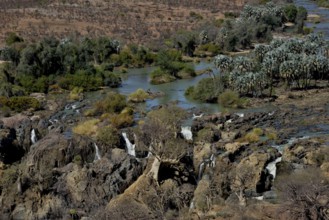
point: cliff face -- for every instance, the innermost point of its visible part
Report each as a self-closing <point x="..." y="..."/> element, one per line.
<point x="57" y="176"/>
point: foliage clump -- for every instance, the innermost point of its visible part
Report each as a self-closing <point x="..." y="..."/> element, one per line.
<point x="171" y="67"/>
<point x="231" y="99"/>
<point x="88" y="128"/>
<point x="108" y="136"/>
<point x="20" y="103"/>
<point x="112" y="103"/>
<point x="138" y="96"/>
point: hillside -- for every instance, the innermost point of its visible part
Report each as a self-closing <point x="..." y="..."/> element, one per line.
<point x="136" y="21"/>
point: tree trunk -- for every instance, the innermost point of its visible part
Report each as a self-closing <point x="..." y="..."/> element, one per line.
<point x="241" y="197"/>
<point x="155" y="169"/>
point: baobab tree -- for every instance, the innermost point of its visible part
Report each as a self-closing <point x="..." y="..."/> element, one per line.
<point x="159" y="135"/>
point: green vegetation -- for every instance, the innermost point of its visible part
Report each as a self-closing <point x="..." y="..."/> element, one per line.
<point x="171" y="67"/>
<point x="207" y="90"/>
<point x="112" y="103"/>
<point x="86" y="63"/>
<point x="20" y="103"/>
<point x="295" y="63"/>
<point x="76" y="93"/>
<point x="88" y="128"/>
<point x="231" y="99"/>
<point x="323" y="3"/>
<point x="256" y="23"/>
<point x="138" y="96"/>
<point x="108" y="136"/>
<point x="77" y="159"/>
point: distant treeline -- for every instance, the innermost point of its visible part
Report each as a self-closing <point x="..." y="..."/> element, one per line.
<point x="64" y="64"/>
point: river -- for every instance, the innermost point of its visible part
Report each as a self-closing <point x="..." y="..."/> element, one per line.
<point x="313" y="8"/>
<point x="174" y="91"/>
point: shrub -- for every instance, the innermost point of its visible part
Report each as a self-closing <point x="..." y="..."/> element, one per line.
<point x="122" y="120"/>
<point x="138" y="96"/>
<point x="22" y="103"/>
<point x="13" y="38"/>
<point x="8" y="177"/>
<point x="186" y="72"/>
<point x="271" y="135"/>
<point x="231" y="99"/>
<point x="5" y="110"/>
<point x="290" y="12"/>
<point x="258" y="131"/>
<point x="207" y="90"/>
<point x="113" y="102"/>
<point x="76" y="93"/>
<point x="189" y="91"/>
<point x="251" y="137"/>
<point x="206" y="135"/>
<point x="196" y="15"/>
<point x="112" y="80"/>
<point x="77" y="160"/>
<point x="307" y="30"/>
<point x="108" y="136"/>
<point x="160" y="76"/>
<point x="210" y="47"/>
<point x="82" y="78"/>
<point x="88" y="128"/>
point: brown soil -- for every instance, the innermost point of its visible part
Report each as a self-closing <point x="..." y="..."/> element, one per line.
<point x="301" y="98"/>
<point x="136" y="21"/>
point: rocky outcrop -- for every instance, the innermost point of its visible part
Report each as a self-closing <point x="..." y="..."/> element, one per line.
<point x="59" y="177"/>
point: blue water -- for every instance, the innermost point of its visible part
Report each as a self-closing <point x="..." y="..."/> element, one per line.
<point x="313" y="8"/>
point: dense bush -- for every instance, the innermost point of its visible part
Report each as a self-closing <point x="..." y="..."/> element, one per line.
<point x="207" y="90"/>
<point x="112" y="103"/>
<point x="76" y="93"/>
<point x="138" y="96"/>
<point x="170" y="67"/>
<point x="88" y="128"/>
<point x="231" y="99"/>
<point x="69" y="63"/>
<point x="159" y="76"/>
<point x="21" y="103"/>
<point x="295" y="62"/>
<point x="124" y="119"/>
<point x="108" y="136"/>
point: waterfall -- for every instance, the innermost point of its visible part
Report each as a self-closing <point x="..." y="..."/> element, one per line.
<point x="129" y="145"/>
<point x="187" y="133"/>
<point x="97" y="155"/>
<point x="197" y="116"/>
<point x="201" y="168"/>
<point x="271" y="167"/>
<point x="241" y="115"/>
<point x="33" y="136"/>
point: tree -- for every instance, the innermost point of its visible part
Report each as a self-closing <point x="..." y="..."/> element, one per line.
<point x="159" y="135"/>
<point x="13" y="38"/>
<point x="304" y="194"/>
<point x="240" y="180"/>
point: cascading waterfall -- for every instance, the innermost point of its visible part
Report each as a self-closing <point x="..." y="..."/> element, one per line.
<point x="197" y="116"/>
<point x="33" y="136"/>
<point x="201" y="169"/>
<point x="241" y="115"/>
<point x="211" y="162"/>
<point x="130" y="147"/>
<point x="271" y="167"/>
<point x="187" y="133"/>
<point x="97" y="155"/>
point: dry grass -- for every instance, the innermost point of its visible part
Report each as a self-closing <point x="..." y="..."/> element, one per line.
<point x="88" y="127"/>
<point x="136" y="21"/>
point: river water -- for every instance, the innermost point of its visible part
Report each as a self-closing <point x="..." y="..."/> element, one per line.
<point x="313" y="8"/>
<point x="174" y="91"/>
